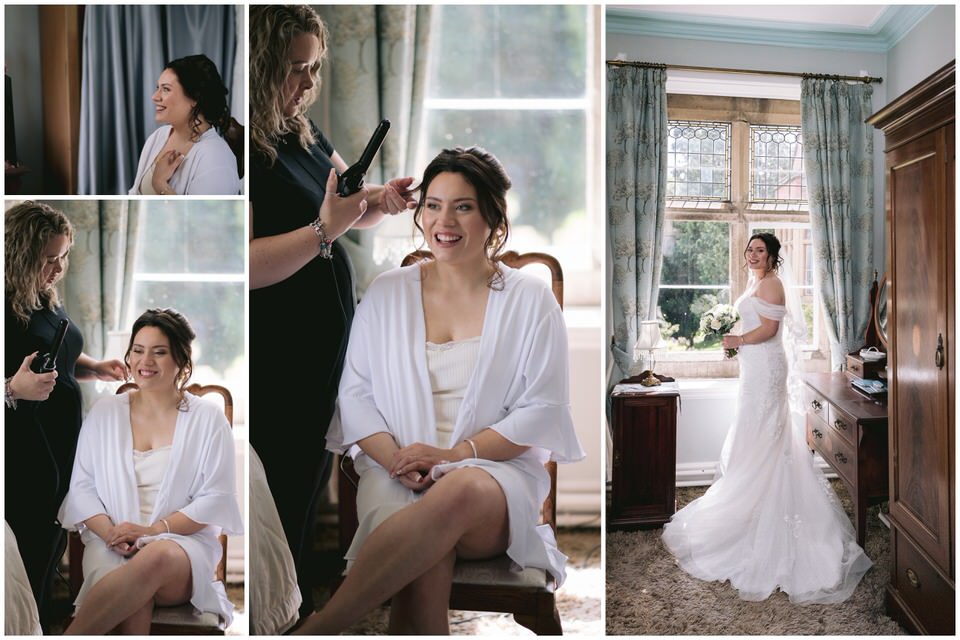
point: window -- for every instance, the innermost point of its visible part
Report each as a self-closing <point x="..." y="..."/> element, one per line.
<point x="518" y="81"/>
<point x="190" y="256"/>
<point x="735" y="167"/>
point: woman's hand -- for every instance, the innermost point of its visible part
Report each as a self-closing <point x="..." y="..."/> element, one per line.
<point x="27" y="385"/>
<point x="338" y="213"/>
<point x="164" y="168"/>
<point x="108" y="370"/>
<point x="732" y="341"/>
<point x="128" y="533"/>
<point x="396" y="197"/>
<point x="415" y="482"/>
<point x="418" y="457"/>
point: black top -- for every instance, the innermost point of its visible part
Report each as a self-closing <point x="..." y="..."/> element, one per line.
<point x="41" y="437"/>
<point x="298" y="327"/>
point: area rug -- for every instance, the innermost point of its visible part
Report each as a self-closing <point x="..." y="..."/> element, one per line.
<point x="649" y="594"/>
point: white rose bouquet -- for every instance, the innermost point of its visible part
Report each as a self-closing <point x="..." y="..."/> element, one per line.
<point x="720" y="320"/>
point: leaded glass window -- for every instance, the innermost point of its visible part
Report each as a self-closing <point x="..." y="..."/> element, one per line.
<point x="776" y="165"/>
<point x="698" y="161"/>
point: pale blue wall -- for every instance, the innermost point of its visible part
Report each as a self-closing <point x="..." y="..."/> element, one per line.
<point x="929" y="45"/>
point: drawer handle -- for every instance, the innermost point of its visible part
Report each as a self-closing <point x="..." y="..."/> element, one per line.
<point x="816" y="405"/>
<point x="817" y="433"/>
<point x="912" y="577"/>
<point x="938" y="357"/>
<point x="855" y="367"/>
<point x="842" y="459"/>
<point x="840" y="424"/>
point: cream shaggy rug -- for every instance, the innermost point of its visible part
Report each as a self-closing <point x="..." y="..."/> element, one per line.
<point x="648" y="594"/>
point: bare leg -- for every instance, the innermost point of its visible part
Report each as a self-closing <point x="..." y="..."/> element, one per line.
<point x="138" y="624"/>
<point x="420" y="608"/>
<point x="465" y="511"/>
<point x="160" y="570"/>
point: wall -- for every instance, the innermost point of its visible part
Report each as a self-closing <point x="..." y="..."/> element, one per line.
<point x="22" y="60"/>
<point x="929" y="45"/>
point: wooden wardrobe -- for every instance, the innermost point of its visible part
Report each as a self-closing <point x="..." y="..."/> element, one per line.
<point x="919" y="132"/>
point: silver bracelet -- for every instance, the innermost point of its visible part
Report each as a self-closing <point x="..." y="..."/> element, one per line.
<point x="326" y="244"/>
<point x="474" y="447"/>
<point x="166" y="524"/>
<point x="8" y="398"/>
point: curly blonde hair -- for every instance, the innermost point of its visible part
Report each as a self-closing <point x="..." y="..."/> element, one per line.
<point x="29" y="227"/>
<point x="272" y="29"/>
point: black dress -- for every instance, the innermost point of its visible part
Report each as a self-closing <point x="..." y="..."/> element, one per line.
<point x="298" y="336"/>
<point x="40" y="440"/>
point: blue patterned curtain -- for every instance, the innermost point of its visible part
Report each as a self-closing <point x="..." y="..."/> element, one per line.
<point x="838" y="158"/>
<point x="636" y="188"/>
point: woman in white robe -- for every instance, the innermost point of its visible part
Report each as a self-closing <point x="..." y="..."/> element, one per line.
<point x="152" y="488"/>
<point x="450" y="469"/>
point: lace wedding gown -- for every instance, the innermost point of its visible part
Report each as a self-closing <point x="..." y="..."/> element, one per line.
<point x="771" y="520"/>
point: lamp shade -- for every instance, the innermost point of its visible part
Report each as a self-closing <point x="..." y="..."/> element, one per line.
<point x="648" y="335"/>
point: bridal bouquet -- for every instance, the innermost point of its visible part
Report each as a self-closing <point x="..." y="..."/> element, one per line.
<point x="720" y="320"/>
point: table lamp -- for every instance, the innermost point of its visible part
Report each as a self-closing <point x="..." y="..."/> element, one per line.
<point x="648" y="340"/>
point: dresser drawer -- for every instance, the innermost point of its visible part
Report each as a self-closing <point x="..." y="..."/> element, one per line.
<point x="814" y="403"/>
<point x="842" y="424"/>
<point x="927" y="594"/>
<point x="834" y="449"/>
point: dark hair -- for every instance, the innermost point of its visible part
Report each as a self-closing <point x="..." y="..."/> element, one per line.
<point x="484" y="172"/>
<point x="201" y="82"/>
<point x="772" y="244"/>
<point x="178" y="331"/>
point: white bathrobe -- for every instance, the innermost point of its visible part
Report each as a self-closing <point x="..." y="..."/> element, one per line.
<point x="199" y="482"/>
<point x="519" y="388"/>
<point x="209" y="169"/>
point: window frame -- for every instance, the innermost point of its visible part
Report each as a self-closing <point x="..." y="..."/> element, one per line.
<point x="739" y="213"/>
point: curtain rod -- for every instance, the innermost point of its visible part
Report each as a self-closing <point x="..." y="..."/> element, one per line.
<point x="791" y="74"/>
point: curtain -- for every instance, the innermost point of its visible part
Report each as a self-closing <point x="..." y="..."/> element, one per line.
<point x="124" y="50"/>
<point x="99" y="281"/>
<point x="636" y="187"/>
<point x="377" y="61"/>
<point x="838" y="158"/>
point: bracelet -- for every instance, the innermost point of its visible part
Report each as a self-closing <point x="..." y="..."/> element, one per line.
<point x="8" y="398"/>
<point x="166" y="524"/>
<point x="743" y="341"/>
<point x="326" y="244"/>
<point x="474" y="447"/>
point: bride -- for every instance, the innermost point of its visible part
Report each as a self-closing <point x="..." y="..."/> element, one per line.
<point x="771" y="521"/>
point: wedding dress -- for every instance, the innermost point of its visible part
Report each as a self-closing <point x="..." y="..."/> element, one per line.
<point x="771" y="520"/>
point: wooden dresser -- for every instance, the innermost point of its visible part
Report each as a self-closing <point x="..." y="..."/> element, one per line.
<point x="643" y="490"/>
<point x="849" y="431"/>
<point x="919" y="131"/>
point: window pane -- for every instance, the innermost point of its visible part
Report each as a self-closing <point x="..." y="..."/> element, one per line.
<point x="191" y="237"/>
<point x="698" y="160"/>
<point x="479" y="48"/>
<point x="680" y="311"/>
<point x="695" y="276"/>
<point x="776" y="164"/>
<point x="696" y="253"/>
<point x="547" y="202"/>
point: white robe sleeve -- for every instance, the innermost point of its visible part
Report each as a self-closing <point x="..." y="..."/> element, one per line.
<point x="540" y="416"/>
<point x="83" y="500"/>
<point x="215" y="171"/>
<point x="214" y="499"/>
<point x="357" y="414"/>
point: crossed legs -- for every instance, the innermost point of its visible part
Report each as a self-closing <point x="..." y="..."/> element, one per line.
<point x="125" y="597"/>
<point x="410" y="556"/>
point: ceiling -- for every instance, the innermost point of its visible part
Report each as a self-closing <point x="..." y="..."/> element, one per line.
<point x="873" y="28"/>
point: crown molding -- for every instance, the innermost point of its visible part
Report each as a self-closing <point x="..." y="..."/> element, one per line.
<point x="888" y="29"/>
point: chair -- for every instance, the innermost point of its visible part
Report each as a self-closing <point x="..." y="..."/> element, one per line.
<point x="181" y="620"/>
<point x="486" y="585"/>
<point x="233" y="135"/>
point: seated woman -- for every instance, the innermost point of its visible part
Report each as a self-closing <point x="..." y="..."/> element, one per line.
<point x="455" y="393"/>
<point x="187" y="156"/>
<point x="152" y="487"/>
